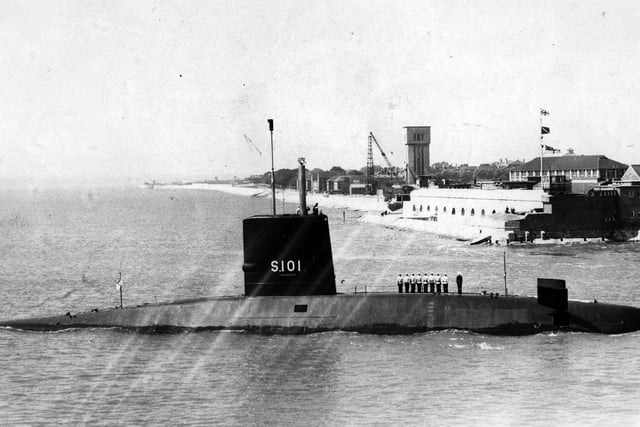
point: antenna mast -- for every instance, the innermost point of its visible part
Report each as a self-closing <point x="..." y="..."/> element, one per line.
<point x="273" y="174"/>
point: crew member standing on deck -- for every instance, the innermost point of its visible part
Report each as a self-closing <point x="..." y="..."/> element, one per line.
<point x="438" y="283"/>
<point x="413" y="283"/>
<point x="400" y="282"/>
<point x="425" y="283"/>
<point x="459" y="282"/>
<point x="432" y="283"/>
<point x="419" y="283"/>
<point x="445" y="284"/>
<point x="407" y="282"/>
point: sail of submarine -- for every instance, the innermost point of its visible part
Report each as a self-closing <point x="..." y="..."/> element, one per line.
<point x="290" y="289"/>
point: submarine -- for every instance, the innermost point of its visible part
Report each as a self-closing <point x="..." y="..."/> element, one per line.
<point x="289" y="288"/>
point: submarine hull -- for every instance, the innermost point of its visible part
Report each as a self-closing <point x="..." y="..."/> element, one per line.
<point x="367" y="313"/>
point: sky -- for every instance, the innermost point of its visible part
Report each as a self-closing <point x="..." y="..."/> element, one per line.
<point x="130" y="91"/>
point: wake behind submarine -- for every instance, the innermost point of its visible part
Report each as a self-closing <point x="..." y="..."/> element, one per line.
<point x="289" y="288"/>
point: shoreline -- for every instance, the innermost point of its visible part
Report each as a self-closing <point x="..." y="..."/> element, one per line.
<point x="374" y="207"/>
<point x="326" y="201"/>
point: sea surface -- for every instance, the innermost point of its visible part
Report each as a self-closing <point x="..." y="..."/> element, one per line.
<point x="61" y="250"/>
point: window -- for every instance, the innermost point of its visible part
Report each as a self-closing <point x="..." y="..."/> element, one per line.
<point x="453" y="211"/>
<point x="414" y="208"/>
<point x="482" y="212"/>
<point x="428" y="208"/>
<point x="420" y="208"/>
<point x="444" y="209"/>
<point x="493" y="212"/>
<point x="462" y="211"/>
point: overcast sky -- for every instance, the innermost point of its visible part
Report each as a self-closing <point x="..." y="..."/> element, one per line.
<point x="133" y="90"/>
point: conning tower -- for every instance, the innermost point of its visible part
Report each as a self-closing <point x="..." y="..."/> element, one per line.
<point x="288" y="254"/>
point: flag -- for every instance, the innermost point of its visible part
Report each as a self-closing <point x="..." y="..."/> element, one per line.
<point x="550" y="148"/>
<point x="544" y="112"/>
<point x="545" y="130"/>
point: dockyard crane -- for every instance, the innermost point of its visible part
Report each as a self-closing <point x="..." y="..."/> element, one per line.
<point x="381" y="150"/>
<point x="370" y="169"/>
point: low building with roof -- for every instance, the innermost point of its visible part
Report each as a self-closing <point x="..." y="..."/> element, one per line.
<point x="584" y="171"/>
<point x="319" y="179"/>
<point x="632" y="175"/>
<point x="347" y="184"/>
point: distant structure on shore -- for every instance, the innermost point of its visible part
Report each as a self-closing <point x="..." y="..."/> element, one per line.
<point x="584" y="171"/>
<point x="418" y="139"/>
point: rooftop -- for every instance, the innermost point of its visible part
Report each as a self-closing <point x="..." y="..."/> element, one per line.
<point x="595" y="162"/>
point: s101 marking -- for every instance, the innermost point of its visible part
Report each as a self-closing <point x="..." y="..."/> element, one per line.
<point x="286" y="266"/>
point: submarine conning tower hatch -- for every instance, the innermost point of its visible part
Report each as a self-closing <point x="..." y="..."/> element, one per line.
<point x="287" y="255"/>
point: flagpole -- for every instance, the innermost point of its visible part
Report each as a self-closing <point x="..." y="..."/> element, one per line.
<point x="541" y="154"/>
<point x="119" y="283"/>
<point x="543" y="130"/>
<point x="541" y="148"/>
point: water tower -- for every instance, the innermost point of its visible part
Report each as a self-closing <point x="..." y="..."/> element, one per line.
<point x="418" y="140"/>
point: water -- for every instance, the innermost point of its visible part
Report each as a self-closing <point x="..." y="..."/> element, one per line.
<point x="61" y="251"/>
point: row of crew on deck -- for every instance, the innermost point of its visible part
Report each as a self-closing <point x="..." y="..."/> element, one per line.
<point x="429" y="283"/>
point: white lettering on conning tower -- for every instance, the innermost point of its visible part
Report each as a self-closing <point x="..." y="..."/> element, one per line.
<point x="286" y="266"/>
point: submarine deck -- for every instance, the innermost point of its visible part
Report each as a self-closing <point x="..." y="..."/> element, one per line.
<point x="383" y="313"/>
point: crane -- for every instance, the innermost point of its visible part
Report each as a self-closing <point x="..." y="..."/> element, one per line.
<point x="371" y="137"/>
<point x="249" y="141"/>
<point x="370" y="169"/>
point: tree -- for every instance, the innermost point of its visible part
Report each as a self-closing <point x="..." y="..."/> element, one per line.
<point x="337" y="170"/>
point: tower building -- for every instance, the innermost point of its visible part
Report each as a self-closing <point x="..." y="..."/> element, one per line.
<point x="418" y="140"/>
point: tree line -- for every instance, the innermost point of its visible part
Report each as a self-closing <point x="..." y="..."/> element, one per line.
<point x="461" y="174"/>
